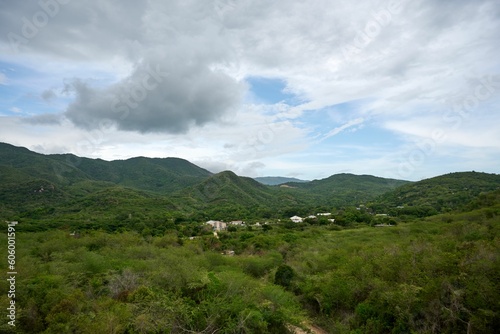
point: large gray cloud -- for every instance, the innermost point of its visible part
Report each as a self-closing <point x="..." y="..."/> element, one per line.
<point x="172" y="47"/>
<point x="156" y="99"/>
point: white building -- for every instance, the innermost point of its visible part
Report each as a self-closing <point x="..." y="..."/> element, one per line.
<point x="237" y="222"/>
<point x="296" y="219"/>
<point x="217" y="225"/>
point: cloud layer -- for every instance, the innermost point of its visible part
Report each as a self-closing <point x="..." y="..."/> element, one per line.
<point x="176" y="71"/>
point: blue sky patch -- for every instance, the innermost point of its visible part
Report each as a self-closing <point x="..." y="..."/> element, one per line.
<point x="267" y="90"/>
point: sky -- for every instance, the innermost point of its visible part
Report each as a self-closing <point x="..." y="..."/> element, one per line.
<point x="393" y="88"/>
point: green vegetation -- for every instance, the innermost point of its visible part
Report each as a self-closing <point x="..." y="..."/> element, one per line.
<point x="440" y="194"/>
<point x="158" y="175"/>
<point x="348" y="189"/>
<point x="438" y="275"/>
<point x="73" y="184"/>
<point x="97" y="252"/>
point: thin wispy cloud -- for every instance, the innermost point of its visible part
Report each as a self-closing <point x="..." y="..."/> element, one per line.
<point x="343" y="127"/>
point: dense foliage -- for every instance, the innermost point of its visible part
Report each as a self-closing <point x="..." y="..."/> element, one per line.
<point x="439" y="275"/>
<point x="159" y="175"/>
<point x="440" y="194"/>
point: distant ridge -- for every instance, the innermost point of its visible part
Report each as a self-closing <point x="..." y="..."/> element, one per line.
<point x="163" y="175"/>
<point x="277" y="180"/>
<point x="442" y="193"/>
<point x="348" y="189"/>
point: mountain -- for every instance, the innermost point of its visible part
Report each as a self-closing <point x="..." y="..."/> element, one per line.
<point x="30" y="165"/>
<point x="347" y="189"/>
<point x="226" y="195"/>
<point x="152" y="174"/>
<point x="229" y="195"/>
<point x="72" y="189"/>
<point x="33" y="183"/>
<point x="227" y="187"/>
<point x="438" y="194"/>
<point x="277" y="180"/>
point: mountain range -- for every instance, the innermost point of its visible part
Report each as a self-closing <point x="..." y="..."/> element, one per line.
<point x="277" y="180"/>
<point x="69" y="188"/>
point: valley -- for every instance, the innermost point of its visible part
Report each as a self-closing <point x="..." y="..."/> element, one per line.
<point x="124" y="247"/>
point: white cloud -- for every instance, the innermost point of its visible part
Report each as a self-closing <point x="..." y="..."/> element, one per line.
<point x="337" y="130"/>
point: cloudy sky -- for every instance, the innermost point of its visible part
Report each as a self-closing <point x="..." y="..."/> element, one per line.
<point x="393" y="88"/>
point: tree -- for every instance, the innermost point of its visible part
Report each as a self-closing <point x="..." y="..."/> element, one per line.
<point x="284" y="276"/>
<point x="266" y="227"/>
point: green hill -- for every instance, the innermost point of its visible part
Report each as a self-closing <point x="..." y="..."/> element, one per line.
<point x="69" y="188"/>
<point x="439" y="194"/>
<point x="31" y="165"/>
<point x="160" y="175"/>
<point x="348" y="189"/>
<point x="228" y="195"/>
<point x="153" y="174"/>
<point x="228" y="187"/>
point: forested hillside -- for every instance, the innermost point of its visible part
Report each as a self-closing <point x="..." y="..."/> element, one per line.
<point x="348" y="189"/>
<point x="63" y="189"/>
<point x="440" y="194"/>
<point x="143" y="193"/>
<point x="159" y="175"/>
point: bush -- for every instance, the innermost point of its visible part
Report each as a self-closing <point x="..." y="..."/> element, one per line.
<point x="284" y="276"/>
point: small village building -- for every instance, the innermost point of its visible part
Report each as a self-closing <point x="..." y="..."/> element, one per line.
<point x="237" y="223"/>
<point x="217" y="225"/>
<point x="296" y="219"/>
<point x="324" y="214"/>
